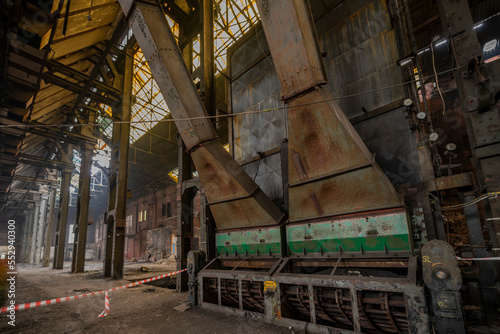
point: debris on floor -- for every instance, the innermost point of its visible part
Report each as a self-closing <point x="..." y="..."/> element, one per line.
<point x="145" y="269"/>
<point x="183" y="307"/>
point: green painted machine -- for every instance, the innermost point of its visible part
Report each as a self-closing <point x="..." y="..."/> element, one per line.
<point x="385" y="234"/>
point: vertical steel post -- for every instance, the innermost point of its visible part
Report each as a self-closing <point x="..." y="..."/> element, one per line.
<point x="110" y="215"/>
<point x="476" y="97"/>
<point x="184" y="214"/>
<point x="210" y="105"/>
<point x="108" y="249"/>
<point x="121" y="190"/>
<point x="34" y="231"/>
<point x="27" y="235"/>
<point x="184" y="203"/>
<point x="80" y="243"/>
<point x="40" y="230"/>
<point x="26" y="225"/>
<point x="60" y="245"/>
<point x="50" y="227"/>
<point x="487" y="280"/>
<point x="208" y="57"/>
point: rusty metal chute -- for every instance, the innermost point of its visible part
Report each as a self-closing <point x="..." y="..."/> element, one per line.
<point x="235" y="199"/>
<point x="331" y="171"/>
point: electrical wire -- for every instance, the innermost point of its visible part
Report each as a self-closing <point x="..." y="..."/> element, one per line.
<point x="221" y="115"/>
<point x="437" y="79"/>
<point x="479" y="199"/>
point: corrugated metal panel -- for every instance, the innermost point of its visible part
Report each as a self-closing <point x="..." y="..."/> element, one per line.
<point x="361" y="56"/>
<point x="358" y="60"/>
<point x="256" y="89"/>
<point x="267" y="174"/>
<point x="390" y="137"/>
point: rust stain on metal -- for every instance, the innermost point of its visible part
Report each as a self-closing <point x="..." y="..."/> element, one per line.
<point x="316" y="203"/>
<point x="297" y="163"/>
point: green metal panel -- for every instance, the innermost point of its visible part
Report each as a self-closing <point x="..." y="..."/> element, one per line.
<point x="388" y="231"/>
<point x="251" y="242"/>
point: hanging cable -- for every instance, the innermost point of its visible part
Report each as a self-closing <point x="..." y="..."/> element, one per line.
<point x="437" y="79"/>
<point x="477" y="200"/>
<point x="23" y="125"/>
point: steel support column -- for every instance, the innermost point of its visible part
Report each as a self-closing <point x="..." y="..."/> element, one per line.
<point x="477" y="99"/>
<point x="40" y="230"/>
<point x="49" y="229"/>
<point x="27" y="235"/>
<point x="184" y="196"/>
<point x="26" y="226"/>
<point x="80" y="243"/>
<point x="208" y="57"/>
<point x="121" y="194"/>
<point x="62" y="222"/>
<point x="117" y="198"/>
<point x="184" y="214"/>
<point x="487" y="280"/>
<point x="34" y="231"/>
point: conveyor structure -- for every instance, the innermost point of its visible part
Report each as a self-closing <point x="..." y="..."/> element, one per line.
<point x="342" y="259"/>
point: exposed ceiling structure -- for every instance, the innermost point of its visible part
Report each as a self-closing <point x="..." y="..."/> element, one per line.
<point x="62" y="58"/>
<point x="58" y="67"/>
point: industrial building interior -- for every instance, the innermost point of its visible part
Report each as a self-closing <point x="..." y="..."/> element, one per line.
<point x="303" y="166"/>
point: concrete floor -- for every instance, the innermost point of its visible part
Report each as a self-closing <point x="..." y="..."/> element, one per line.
<point x="142" y="309"/>
<point x="135" y="310"/>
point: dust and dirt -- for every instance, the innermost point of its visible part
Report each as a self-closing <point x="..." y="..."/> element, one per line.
<point x="140" y="309"/>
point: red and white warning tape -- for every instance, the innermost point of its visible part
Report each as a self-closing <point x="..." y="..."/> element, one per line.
<point x="26" y="306"/>
<point x="106" y="306"/>
<point x="478" y="258"/>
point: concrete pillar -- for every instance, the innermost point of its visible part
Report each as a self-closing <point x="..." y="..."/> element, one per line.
<point x="27" y="234"/>
<point x="63" y="212"/>
<point x="49" y="229"/>
<point x="40" y="230"/>
<point x="80" y="244"/>
<point x="34" y="231"/>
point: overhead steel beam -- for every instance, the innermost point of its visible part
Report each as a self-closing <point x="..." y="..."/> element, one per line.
<point x="51" y="133"/>
<point x="56" y="66"/>
<point x="64" y="83"/>
<point x="175" y="12"/>
<point x="54" y="79"/>
<point x="29" y="179"/>
<point x="23" y="158"/>
<point x="234" y="198"/>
